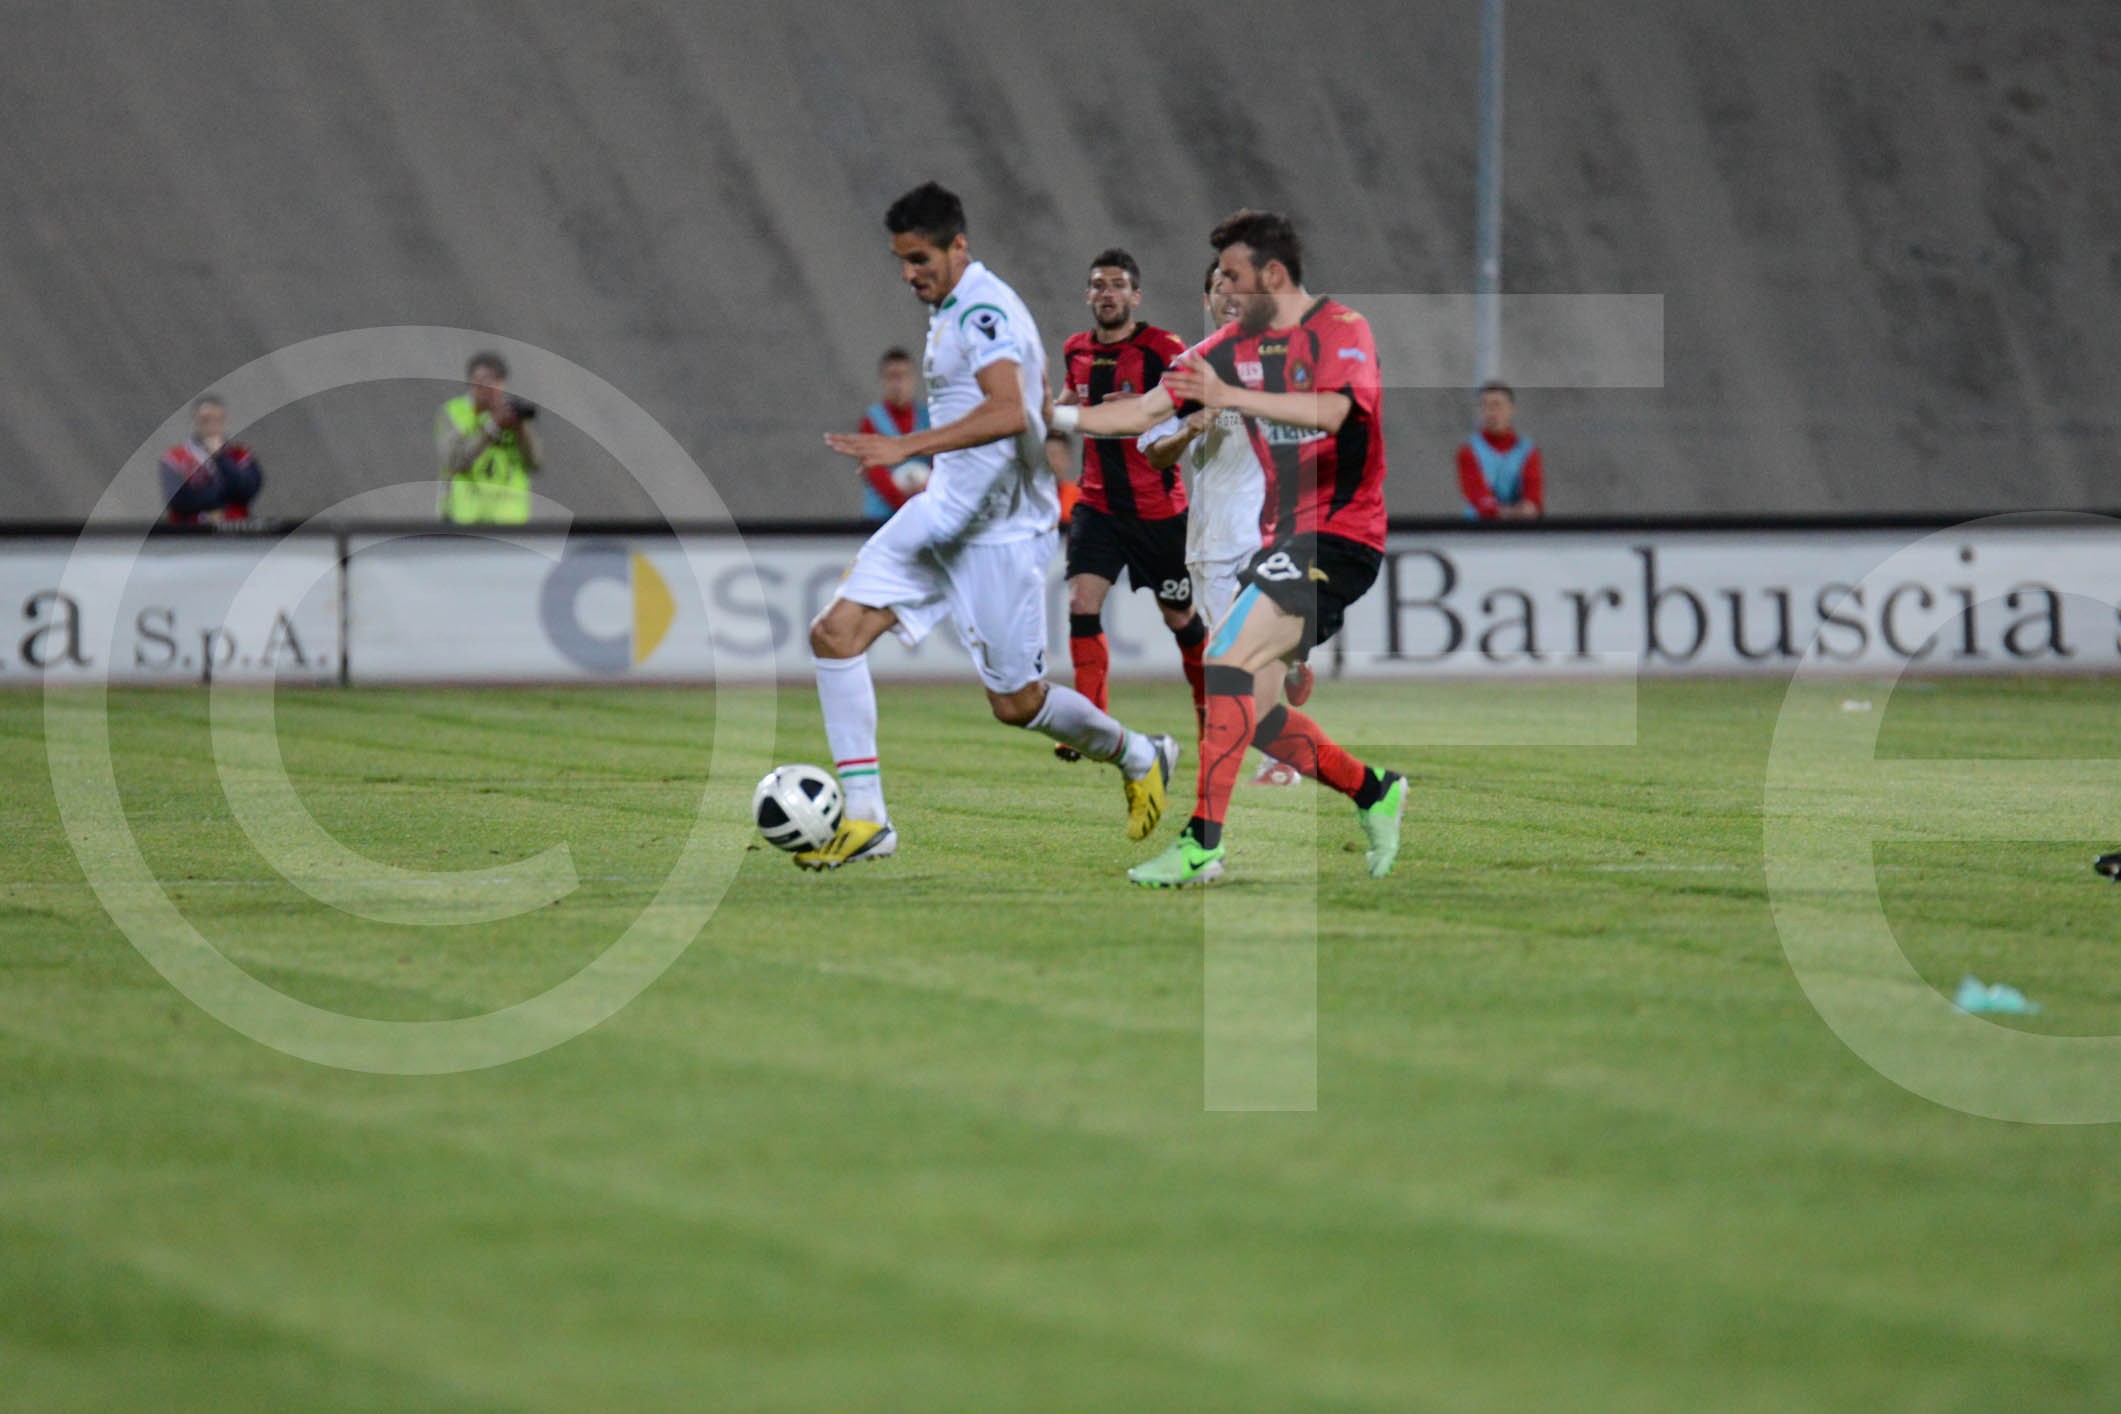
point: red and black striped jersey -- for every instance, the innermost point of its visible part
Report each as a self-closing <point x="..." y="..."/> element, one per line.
<point x="1325" y="483"/>
<point x="1117" y="478"/>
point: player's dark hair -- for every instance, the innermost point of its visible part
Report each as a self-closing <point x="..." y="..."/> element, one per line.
<point x="1270" y="237"/>
<point x="930" y="212"/>
<point x="893" y="355"/>
<point x="1496" y="385"/>
<point x="1117" y="259"/>
<point x="209" y="400"/>
<point x="1207" y="286"/>
<point x="488" y="359"/>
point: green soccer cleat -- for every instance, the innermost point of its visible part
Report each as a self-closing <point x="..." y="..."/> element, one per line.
<point x="1380" y="824"/>
<point x="1184" y="865"/>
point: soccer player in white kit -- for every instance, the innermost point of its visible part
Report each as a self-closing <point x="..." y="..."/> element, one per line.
<point x="1228" y="486"/>
<point x="973" y="547"/>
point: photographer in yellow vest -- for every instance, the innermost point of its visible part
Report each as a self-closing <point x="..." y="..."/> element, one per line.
<point x="487" y="452"/>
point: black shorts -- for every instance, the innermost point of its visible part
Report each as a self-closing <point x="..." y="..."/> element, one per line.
<point x="1314" y="577"/>
<point x="1153" y="552"/>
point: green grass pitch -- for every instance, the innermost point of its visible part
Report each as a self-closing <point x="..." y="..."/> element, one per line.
<point x="930" y="1134"/>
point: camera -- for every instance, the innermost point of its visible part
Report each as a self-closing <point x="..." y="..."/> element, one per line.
<point x="525" y="409"/>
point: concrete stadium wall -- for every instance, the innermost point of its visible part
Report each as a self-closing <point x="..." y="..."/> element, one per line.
<point x="1888" y="235"/>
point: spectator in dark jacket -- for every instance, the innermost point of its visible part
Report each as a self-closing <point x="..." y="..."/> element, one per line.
<point x="209" y="478"/>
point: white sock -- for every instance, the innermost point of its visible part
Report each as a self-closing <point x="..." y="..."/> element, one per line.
<point x="848" y="695"/>
<point x="1074" y="720"/>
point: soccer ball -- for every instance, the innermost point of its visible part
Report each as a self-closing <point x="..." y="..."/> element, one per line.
<point x="797" y="807"/>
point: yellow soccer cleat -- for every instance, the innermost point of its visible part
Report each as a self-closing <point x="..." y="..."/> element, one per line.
<point x="1146" y="793"/>
<point x="856" y="840"/>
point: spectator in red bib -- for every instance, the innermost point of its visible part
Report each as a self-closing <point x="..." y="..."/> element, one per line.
<point x="898" y="410"/>
<point x="1499" y="471"/>
<point x="208" y="479"/>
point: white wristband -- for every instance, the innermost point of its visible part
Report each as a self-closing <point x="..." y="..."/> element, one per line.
<point x="1066" y="416"/>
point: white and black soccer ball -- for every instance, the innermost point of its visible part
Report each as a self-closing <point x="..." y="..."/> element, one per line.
<point x="797" y="807"/>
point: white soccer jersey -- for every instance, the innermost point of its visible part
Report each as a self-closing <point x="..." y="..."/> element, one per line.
<point x="1004" y="490"/>
<point x="1222" y="517"/>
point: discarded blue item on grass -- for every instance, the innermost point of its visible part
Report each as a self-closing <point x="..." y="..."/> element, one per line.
<point x="1993" y="998"/>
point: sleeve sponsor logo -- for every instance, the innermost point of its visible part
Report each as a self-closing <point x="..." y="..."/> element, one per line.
<point x="986" y="320"/>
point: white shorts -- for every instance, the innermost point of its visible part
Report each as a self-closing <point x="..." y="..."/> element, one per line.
<point x="1215" y="587"/>
<point x="997" y="594"/>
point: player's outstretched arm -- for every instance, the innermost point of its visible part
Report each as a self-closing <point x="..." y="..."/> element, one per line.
<point x="1000" y="414"/>
<point x="1193" y="380"/>
<point x="1128" y="417"/>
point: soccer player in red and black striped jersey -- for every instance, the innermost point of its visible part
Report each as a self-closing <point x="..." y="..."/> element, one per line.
<point x="1303" y="372"/>
<point x="1130" y="515"/>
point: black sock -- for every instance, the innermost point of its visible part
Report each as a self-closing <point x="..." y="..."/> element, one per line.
<point x="1208" y="834"/>
<point x="1374" y="785"/>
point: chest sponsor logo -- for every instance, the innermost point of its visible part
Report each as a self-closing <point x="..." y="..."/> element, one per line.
<point x="1251" y="372"/>
<point x="1281" y="434"/>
